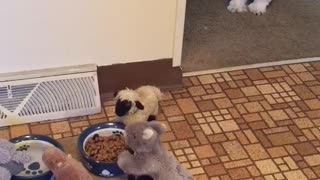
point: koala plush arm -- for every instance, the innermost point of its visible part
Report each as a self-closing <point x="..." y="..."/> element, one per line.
<point x="5" y="156"/>
<point x="4" y="174"/>
<point x="21" y="157"/>
<point x="128" y="164"/>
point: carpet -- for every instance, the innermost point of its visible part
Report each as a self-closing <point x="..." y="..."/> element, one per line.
<point x="215" y="38"/>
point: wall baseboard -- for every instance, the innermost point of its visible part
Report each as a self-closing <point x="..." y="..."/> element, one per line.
<point x="132" y="75"/>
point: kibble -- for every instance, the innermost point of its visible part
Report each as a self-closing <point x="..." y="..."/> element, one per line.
<point x="105" y="149"/>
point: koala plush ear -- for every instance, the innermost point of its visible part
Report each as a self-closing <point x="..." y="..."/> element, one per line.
<point x="115" y="94"/>
<point x="139" y="105"/>
<point x="158" y="127"/>
<point x="147" y="133"/>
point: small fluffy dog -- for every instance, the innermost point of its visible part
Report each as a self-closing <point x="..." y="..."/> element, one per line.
<point x="257" y="7"/>
<point x="137" y="105"/>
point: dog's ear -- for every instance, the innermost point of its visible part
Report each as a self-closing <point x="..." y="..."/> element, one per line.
<point x="139" y="105"/>
<point x="115" y="94"/>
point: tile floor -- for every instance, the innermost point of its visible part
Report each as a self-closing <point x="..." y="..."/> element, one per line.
<point x="248" y="124"/>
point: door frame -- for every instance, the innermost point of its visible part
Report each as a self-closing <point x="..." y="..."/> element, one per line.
<point x="179" y="32"/>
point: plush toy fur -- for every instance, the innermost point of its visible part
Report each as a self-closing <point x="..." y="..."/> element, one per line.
<point x="63" y="166"/>
<point x="11" y="161"/>
<point x="137" y="105"/>
<point x="150" y="156"/>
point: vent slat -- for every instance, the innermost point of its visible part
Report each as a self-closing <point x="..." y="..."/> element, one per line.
<point x="25" y="85"/>
<point x="14" y="96"/>
<point x="57" y="94"/>
<point x="50" y="97"/>
<point x="70" y="94"/>
<point x="79" y="102"/>
<point x="64" y="101"/>
<point x="83" y="93"/>
<point x="51" y="102"/>
<point x="40" y="102"/>
<point x="84" y="86"/>
<point x="34" y="105"/>
<point x="44" y="99"/>
<point x="90" y="90"/>
<point x="66" y="94"/>
<point x="62" y="95"/>
<point x="29" y="110"/>
<point x="11" y="103"/>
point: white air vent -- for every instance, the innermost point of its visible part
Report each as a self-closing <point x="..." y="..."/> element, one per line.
<point x="33" y="96"/>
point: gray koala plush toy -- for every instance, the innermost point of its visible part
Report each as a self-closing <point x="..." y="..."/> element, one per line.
<point x="150" y="156"/>
<point x="11" y="161"/>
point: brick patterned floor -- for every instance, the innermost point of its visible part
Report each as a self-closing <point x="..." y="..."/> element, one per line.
<point x="248" y="124"/>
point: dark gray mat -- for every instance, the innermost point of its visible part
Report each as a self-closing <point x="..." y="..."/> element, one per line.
<point x="215" y="38"/>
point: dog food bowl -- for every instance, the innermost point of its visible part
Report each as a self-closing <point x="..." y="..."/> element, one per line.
<point x="102" y="169"/>
<point x="34" y="145"/>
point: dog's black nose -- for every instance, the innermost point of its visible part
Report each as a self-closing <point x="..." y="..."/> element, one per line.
<point x="120" y="112"/>
<point x="123" y="107"/>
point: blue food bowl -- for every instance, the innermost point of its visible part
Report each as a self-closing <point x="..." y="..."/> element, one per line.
<point x="34" y="145"/>
<point x="102" y="169"/>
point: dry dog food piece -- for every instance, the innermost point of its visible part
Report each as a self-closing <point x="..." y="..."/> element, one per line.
<point x="105" y="149"/>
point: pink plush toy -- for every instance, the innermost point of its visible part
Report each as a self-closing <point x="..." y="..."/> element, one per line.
<point x="63" y="166"/>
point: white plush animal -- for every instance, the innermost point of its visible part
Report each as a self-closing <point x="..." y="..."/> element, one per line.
<point x="257" y="7"/>
<point x="137" y="105"/>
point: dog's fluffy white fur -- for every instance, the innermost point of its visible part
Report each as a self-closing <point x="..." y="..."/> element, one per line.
<point x="257" y="7"/>
<point x="149" y="96"/>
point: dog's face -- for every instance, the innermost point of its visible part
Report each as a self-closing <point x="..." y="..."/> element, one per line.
<point x="123" y="107"/>
<point x="126" y="106"/>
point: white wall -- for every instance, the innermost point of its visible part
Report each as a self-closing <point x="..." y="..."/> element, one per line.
<point x="37" y="34"/>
